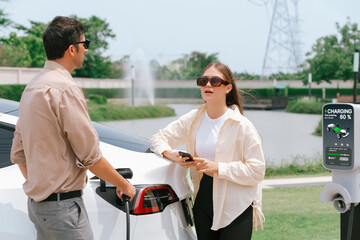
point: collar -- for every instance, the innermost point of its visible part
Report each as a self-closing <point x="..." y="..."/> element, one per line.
<point x="234" y="115"/>
<point x="52" y="65"/>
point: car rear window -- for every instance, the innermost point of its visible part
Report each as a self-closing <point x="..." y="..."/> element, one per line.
<point x="6" y="136"/>
<point x="118" y="138"/>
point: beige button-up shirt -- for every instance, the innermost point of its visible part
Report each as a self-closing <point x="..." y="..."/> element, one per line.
<point x="240" y="159"/>
<point x="54" y="137"/>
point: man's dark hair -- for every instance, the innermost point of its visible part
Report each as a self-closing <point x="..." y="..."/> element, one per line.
<point x="60" y="34"/>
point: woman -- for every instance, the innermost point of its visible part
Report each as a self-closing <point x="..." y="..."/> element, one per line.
<point x="228" y="159"/>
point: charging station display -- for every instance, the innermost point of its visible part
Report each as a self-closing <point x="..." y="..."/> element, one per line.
<point x="341" y="133"/>
<point x="338" y="137"/>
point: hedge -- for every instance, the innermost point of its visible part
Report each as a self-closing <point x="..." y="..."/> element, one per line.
<point x="329" y="92"/>
<point x="177" y="93"/>
<point x="98" y="99"/>
<point x="106" y="92"/>
<point x="305" y="106"/>
<point x="159" y="92"/>
<point x="13" y="92"/>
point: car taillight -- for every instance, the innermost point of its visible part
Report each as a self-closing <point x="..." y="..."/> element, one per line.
<point x="148" y="198"/>
<point x="152" y="199"/>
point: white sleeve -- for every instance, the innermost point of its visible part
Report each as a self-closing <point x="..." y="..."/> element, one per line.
<point x="173" y="135"/>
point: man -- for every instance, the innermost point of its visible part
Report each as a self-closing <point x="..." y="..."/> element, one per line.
<point x="55" y="142"/>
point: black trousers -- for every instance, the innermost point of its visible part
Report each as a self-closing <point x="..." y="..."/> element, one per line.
<point x="240" y="228"/>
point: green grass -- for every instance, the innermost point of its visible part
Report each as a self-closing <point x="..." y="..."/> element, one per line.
<point x="113" y="111"/>
<point x="297" y="213"/>
<point x="299" y="165"/>
<point x="294" y="170"/>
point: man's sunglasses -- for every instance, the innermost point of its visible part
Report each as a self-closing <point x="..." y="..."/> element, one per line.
<point x="214" y="81"/>
<point x="86" y="43"/>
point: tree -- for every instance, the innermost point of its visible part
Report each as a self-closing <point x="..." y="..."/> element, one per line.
<point x="170" y="72"/>
<point x="284" y="76"/>
<point x="95" y="64"/>
<point x="34" y="43"/>
<point x="190" y="66"/>
<point x="331" y="57"/>
<point x="246" y="76"/>
<point x="14" y="52"/>
<point x="196" y="63"/>
<point x="4" y="21"/>
<point x="26" y="50"/>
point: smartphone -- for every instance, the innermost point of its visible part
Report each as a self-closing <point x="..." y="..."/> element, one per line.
<point x="185" y="154"/>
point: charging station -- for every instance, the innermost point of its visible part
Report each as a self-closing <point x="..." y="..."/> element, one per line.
<point x="341" y="155"/>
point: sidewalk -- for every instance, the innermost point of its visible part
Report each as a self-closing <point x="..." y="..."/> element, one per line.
<point x="292" y="182"/>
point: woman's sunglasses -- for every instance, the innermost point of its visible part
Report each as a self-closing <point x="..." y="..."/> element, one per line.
<point x="214" y="81"/>
<point x="86" y="43"/>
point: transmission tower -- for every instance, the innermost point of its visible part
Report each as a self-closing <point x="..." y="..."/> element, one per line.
<point x="283" y="52"/>
<point x="296" y="33"/>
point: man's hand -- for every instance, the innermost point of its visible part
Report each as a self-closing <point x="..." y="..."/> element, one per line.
<point x="174" y="156"/>
<point x="206" y="166"/>
<point x="129" y="191"/>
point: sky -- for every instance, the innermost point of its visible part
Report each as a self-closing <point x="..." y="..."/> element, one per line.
<point x="165" y="30"/>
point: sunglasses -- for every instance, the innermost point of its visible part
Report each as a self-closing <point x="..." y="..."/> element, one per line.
<point x="214" y="81"/>
<point x="86" y="43"/>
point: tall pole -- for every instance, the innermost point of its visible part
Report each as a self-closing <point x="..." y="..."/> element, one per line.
<point x="309" y="81"/>
<point x="132" y="85"/>
<point x="275" y="89"/>
<point x="356" y="70"/>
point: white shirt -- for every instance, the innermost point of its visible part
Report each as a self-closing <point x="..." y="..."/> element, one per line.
<point x="207" y="135"/>
<point x="240" y="158"/>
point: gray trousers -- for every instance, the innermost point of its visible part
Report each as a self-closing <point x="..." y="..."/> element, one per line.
<point x="60" y="220"/>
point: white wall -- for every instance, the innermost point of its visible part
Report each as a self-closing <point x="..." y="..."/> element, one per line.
<point x="10" y="75"/>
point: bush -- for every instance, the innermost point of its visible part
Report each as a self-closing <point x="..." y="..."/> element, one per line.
<point x="259" y="92"/>
<point x="98" y="99"/>
<point x="12" y="92"/>
<point x="329" y="92"/>
<point x="159" y="92"/>
<point x="112" y="112"/>
<point x="318" y="129"/>
<point x="305" y="106"/>
<point x="268" y="92"/>
<point x="106" y="92"/>
<point x="177" y="93"/>
<point x="305" y="92"/>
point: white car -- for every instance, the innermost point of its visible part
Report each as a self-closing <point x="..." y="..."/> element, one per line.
<point x="162" y="208"/>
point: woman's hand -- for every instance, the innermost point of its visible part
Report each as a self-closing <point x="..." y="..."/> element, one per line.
<point x="206" y="166"/>
<point x="174" y="156"/>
